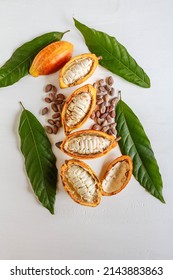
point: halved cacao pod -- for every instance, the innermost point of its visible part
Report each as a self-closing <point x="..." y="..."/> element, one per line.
<point x="78" y="70"/>
<point x="81" y="183"/>
<point x="117" y="175"/>
<point x="51" y="58"/>
<point x="87" y="144"/>
<point x="78" y="108"/>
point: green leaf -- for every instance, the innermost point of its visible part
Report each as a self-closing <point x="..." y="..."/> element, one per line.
<point x="135" y="143"/>
<point x="40" y="161"/>
<point x="19" y="63"/>
<point x="115" y="56"/>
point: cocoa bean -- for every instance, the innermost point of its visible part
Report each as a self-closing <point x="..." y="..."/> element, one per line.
<point x="48" y="100"/>
<point x="105" y="128"/>
<point x="60" y="96"/>
<point x="109" y="119"/>
<point x="48" y="88"/>
<point x="55" y="129"/>
<point x="114" y="101"/>
<point x="49" y="129"/>
<point x="54" y="107"/>
<point x="97" y="113"/>
<point x="110" y="81"/>
<point x="96" y="127"/>
<point x="56" y="115"/>
<point x="112" y="114"/>
<point x="50" y="121"/>
<point x="54" y="89"/>
<point x="44" y="111"/>
<point x="93" y="115"/>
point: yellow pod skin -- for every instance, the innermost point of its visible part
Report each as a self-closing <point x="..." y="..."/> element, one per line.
<point x="117" y="175"/>
<point x="51" y="58"/>
<point x="77" y="70"/>
<point x="81" y="183"/>
<point x="78" y="108"/>
<point x="87" y="144"/>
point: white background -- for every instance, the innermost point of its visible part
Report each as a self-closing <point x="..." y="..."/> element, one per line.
<point x="133" y="224"/>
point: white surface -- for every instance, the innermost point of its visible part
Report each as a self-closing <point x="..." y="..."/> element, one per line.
<point x="133" y="224"/>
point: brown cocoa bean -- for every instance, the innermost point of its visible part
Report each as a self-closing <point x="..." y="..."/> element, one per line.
<point x="58" y="123"/>
<point x="48" y="100"/>
<point x="103" y="116"/>
<point x="54" y="107"/>
<point x="110" y="81"/>
<point x="107" y="88"/>
<point x="44" y="111"/>
<point x="96" y="127"/>
<point x="114" y="101"/>
<point x="112" y="91"/>
<point x="102" y="89"/>
<point x="106" y="98"/>
<point x="104" y="123"/>
<point x="56" y="115"/>
<point x="98" y="114"/>
<point x="112" y="114"/>
<point x="55" y="129"/>
<point x="48" y="88"/>
<point x="99" y="101"/>
<point x="50" y="121"/>
<point x="105" y="128"/>
<point x="60" y="96"/>
<point x="92" y="116"/>
<point x="111" y="108"/>
<point x="101" y="82"/>
<point x="109" y="119"/>
<point x="102" y="109"/>
<point x="54" y="89"/>
<point x="49" y="129"/>
<point x="58" y="100"/>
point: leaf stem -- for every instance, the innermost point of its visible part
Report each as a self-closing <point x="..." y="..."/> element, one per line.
<point x="22" y="105"/>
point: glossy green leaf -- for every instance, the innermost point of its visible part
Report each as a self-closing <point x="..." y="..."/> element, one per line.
<point x="135" y="143"/>
<point x="115" y="56"/>
<point x="19" y="63"/>
<point x="40" y="161"/>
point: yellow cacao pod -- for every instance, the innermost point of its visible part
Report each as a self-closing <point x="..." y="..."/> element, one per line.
<point x="117" y="175"/>
<point x="81" y="183"/>
<point x="78" y="70"/>
<point x="87" y="144"/>
<point x="78" y="108"/>
<point x="51" y="58"/>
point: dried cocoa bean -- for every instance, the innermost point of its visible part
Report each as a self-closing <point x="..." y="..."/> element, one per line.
<point x="48" y="88"/>
<point x="112" y="91"/>
<point x="93" y="115"/>
<point x="54" y="107"/>
<point x="56" y="115"/>
<point x="96" y="127"/>
<point x="109" y="119"/>
<point x="50" y="121"/>
<point x="49" y="129"/>
<point x="105" y="128"/>
<point x="44" y="111"/>
<point x="99" y="101"/>
<point x="110" y="81"/>
<point x="48" y="100"/>
<point x="60" y="96"/>
<point x="98" y="114"/>
<point x="55" y="129"/>
<point x="112" y="114"/>
<point x="114" y="101"/>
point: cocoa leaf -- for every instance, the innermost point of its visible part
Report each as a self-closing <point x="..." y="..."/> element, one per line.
<point x="115" y="56"/>
<point x="40" y="161"/>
